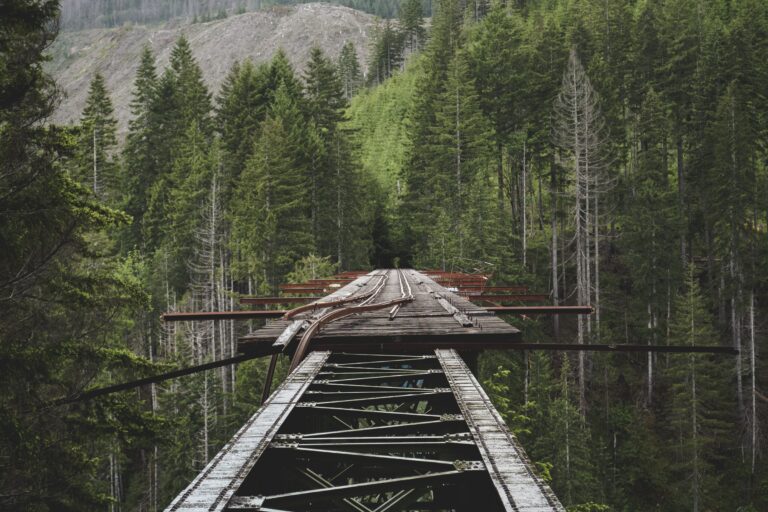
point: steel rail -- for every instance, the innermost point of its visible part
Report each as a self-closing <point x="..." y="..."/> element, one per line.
<point x="401" y="279"/>
<point x="331" y="303"/>
<point x="337" y="314"/>
<point x="273" y="361"/>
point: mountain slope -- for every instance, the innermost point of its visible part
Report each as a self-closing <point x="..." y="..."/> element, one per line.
<point x="77" y="56"/>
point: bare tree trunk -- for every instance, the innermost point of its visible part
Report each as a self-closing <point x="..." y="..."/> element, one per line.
<point x="555" y="280"/>
<point x="579" y="130"/>
<point x="753" y="416"/>
<point x="95" y="167"/>
<point x="681" y="196"/>
<point x="597" y="266"/>
<point x="650" y="355"/>
<point x="524" y="188"/>
<point x="695" y="431"/>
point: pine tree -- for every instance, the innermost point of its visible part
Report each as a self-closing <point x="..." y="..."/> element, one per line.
<point x="188" y="188"/>
<point x="651" y="227"/>
<point x="497" y="63"/>
<point x="418" y="204"/>
<point x="242" y="105"/>
<point x="412" y="26"/>
<point x="461" y="139"/>
<point x="325" y="102"/>
<point x="696" y="414"/>
<point x="97" y="140"/>
<point x="269" y="225"/>
<point x="139" y="155"/>
<point x="281" y="72"/>
<point x="66" y="302"/>
<point x="349" y="70"/>
<point x="386" y="53"/>
<point x="193" y="98"/>
<point x="164" y="122"/>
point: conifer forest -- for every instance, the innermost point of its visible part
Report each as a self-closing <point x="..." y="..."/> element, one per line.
<point x="604" y="152"/>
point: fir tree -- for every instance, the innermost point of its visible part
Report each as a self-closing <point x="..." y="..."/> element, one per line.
<point x="193" y="98"/>
<point x="269" y="226"/>
<point x="651" y="228"/>
<point x="242" y="104"/>
<point x="461" y="139"/>
<point x="325" y="101"/>
<point x="386" y="53"/>
<point x="97" y="141"/>
<point x="349" y="70"/>
<point x="696" y="416"/>
<point x="139" y="155"/>
<point x="412" y="25"/>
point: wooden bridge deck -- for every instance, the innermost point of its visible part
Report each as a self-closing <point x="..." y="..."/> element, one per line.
<point x="435" y="318"/>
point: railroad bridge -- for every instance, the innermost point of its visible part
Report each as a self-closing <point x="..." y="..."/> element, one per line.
<point x="380" y="412"/>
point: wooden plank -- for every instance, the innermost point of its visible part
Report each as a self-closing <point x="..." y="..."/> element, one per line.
<point x="221" y="315"/>
<point x="289" y="333"/>
<point x="277" y="300"/>
<point x="460" y="317"/>
<point x="508" y="298"/>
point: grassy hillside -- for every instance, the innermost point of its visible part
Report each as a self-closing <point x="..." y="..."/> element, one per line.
<point x="380" y="117"/>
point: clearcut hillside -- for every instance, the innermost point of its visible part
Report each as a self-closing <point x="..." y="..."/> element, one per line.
<point x="77" y="56"/>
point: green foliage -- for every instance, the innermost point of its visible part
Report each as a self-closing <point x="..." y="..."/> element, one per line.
<point x="449" y="160"/>
<point x="96" y="142"/>
<point x="311" y="267"/>
<point x="349" y="70"/>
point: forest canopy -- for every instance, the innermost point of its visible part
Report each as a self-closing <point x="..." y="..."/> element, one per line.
<point x="608" y="152"/>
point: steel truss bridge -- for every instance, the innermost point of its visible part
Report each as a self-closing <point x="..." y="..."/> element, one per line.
<point x="380" y="411"/>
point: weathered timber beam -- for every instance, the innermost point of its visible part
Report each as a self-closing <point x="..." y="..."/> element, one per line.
<point x="417" y="347"/>
<point x="514" y="289"/>
<point x="495" y="297"/>
<point x="542" y="310"/>
<point x="221" y="315"/>
<point x="277" y="300"/>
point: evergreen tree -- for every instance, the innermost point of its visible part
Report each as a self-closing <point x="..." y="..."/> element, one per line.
<point x="386" y="53"/>
<point x="269" y="225"/>
<point x="325" y="102"/>
<point x="242" y="104"/>
<point x="349" y="70"/>
<point x="651" y="228"/>
<point x="281" y="72"/>
<point x="139" y="155"/>
<point x="66" y="303"/>
<point x="460" y="141"/>
<point x="412" y="25"/>
<point x="97" y="140"/>
<point x="696" y="416"/>
<point x="194" y="100"/>
<point x="417" y="205"/>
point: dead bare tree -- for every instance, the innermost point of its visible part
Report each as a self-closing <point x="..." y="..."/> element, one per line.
<point x="579" y="130"/>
